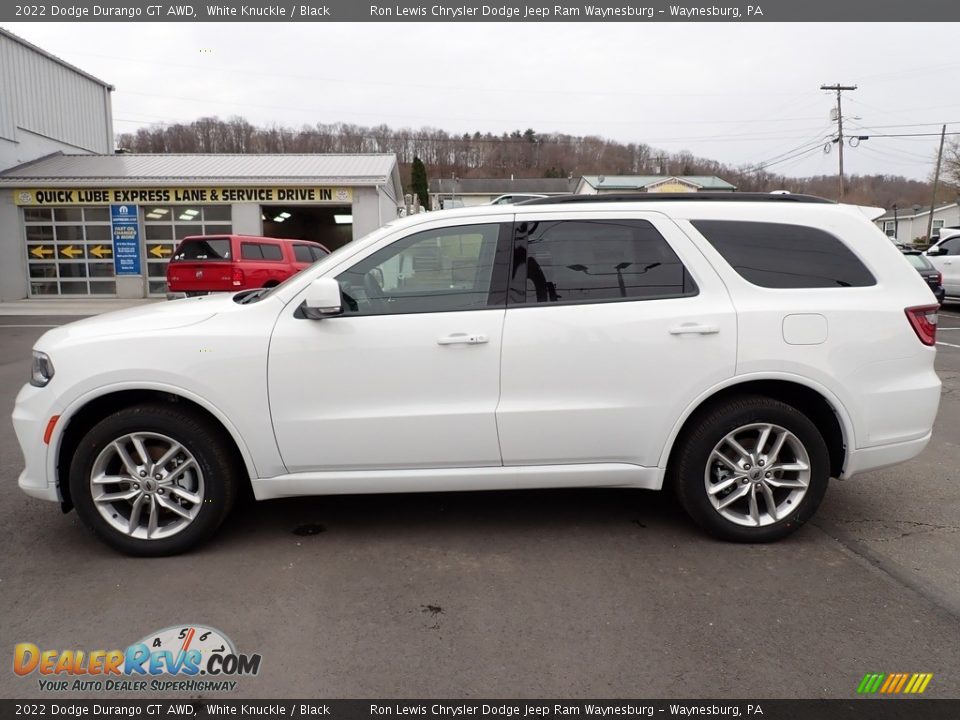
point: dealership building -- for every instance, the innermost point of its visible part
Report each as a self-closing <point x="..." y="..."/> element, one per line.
<point x="78" y="219"/>
<point x="106" y="225"/>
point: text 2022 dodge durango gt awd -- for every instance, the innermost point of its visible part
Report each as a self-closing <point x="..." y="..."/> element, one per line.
<point x="741" y="349"/>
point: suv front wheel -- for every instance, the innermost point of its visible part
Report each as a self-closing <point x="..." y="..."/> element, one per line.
<point x="752" y="469"/>
<point x="153" y="480"/>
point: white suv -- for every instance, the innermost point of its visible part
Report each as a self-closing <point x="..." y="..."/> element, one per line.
<point x="742" y="349"/>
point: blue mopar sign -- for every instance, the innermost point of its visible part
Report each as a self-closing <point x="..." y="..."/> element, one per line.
<point x="125" y="222"/>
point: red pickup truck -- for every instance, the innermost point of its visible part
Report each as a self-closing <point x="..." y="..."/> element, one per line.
<point x="218" y="263"/>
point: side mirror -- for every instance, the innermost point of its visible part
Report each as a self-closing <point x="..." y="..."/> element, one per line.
<point x="323" y="299"/>
<point x="936" y="251"/>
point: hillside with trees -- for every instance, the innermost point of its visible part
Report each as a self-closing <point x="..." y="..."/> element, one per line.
<point x="520" y="153"/>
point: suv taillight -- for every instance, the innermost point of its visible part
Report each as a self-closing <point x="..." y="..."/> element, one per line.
<point x="923" y="320"/>
<point x="939" y="278"/>
<point x="237" y="277"/>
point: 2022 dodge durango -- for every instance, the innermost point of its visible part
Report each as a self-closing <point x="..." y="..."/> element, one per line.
<point x="739" y="349"/>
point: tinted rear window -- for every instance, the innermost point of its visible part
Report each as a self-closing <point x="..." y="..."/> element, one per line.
<point x="776" y="255"/>
<point x="302" y="253"/>
<point x="919" y="262"/>
<point x="204" y="249"/>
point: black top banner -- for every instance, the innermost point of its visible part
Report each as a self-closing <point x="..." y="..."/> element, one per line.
<point x="852" y="11"/>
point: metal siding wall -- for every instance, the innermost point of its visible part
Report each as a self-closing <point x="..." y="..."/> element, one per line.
<point x="8" y="125"/>
<point x="13" y="262"/>
<point x="46" y="98"/>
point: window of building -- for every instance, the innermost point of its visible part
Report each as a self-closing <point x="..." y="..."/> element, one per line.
<point x="441" y="270"/>
<point x="595" y="261"/>
<point x="890" y="227"/>
<point x="775" y="255"/>
<point x="69" y="251"/>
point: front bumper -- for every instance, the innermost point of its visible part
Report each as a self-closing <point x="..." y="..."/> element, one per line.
<point x="30" y="415"/>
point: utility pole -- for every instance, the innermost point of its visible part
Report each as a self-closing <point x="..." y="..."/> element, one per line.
<point x="838" y="88"/>
<point x="936" y="179"/>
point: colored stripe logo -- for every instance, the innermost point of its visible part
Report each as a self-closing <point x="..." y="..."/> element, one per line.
<point x="894" y="683"/>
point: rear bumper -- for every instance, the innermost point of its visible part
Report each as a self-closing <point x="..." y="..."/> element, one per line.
<point x="881" y="456"/>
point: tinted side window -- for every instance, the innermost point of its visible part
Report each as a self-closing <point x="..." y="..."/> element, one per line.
<point x="271" y="252"/>
<point x="441" y="270"/>
<point x="776" y="255"/>
<point x="597" y="260"/>
<point x="952" y="246"/>
<point x="302" y="253"/>
<point x="317" y="252"/>
<point x="250" y="251"/>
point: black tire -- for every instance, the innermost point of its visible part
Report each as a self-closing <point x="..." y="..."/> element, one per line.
<point x="207" y="443"/>
<point x="689" y="462"/>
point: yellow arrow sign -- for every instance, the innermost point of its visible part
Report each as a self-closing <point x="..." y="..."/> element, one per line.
<point x="100" y="251"/>
<point x="159" y="251"/>
<point x="71" y="252"/>
<point x="39" y="251"/>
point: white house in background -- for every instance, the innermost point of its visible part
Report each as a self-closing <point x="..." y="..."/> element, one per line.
<point x="910" y="223"/>
<point x="596" y="184"/>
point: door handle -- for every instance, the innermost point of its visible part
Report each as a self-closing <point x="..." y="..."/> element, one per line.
<point x="463" y="339"/>
<point x="694" y="329"/>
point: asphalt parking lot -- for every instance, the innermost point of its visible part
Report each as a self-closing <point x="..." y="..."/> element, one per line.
<point x="568" y="594"/>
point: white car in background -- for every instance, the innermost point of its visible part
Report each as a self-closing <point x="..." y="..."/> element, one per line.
<point x="739" y="349"/>
<point x="944" y="255"/>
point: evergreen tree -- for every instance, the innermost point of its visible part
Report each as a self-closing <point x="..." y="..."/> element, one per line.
<point x="418" y="181"/>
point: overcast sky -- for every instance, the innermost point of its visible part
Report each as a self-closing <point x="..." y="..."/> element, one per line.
<point x="739" y="93"/>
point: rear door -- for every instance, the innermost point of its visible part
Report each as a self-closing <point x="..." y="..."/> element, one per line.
<point x="949" y="265"/>
<point x="614" y="326"/>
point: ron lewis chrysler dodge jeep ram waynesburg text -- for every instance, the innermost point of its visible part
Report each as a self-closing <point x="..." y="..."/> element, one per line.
<point x="740" y="349"/>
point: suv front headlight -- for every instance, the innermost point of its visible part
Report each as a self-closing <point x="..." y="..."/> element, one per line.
<point x="42" y="371"/>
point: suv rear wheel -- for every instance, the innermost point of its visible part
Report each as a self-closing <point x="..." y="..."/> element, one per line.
<point x="753" y="469"/>
<point x="153" y="480"/>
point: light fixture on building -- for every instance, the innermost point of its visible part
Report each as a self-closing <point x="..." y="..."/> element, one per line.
<point x="280" y="218"/>
<point x="343" y="219"/>
<point x="189" y="214"/>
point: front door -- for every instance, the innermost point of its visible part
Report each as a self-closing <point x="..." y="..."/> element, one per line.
<point x="408" y="376"/>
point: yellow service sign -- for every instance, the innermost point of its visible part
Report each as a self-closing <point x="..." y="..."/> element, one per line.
<point x="182" y="196"/>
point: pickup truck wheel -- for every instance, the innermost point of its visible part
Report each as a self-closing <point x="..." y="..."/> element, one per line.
<point x="153" y="480"/>
<point x="753" y="469"/>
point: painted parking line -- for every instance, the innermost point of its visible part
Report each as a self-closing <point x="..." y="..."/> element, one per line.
<point x="33" y="326"/>
<point x="948" y="344"/>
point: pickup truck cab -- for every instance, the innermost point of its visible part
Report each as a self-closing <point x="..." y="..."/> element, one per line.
<point x="203" y="264"/>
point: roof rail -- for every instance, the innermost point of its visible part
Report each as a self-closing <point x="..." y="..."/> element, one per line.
<point x="674" y="197"/>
